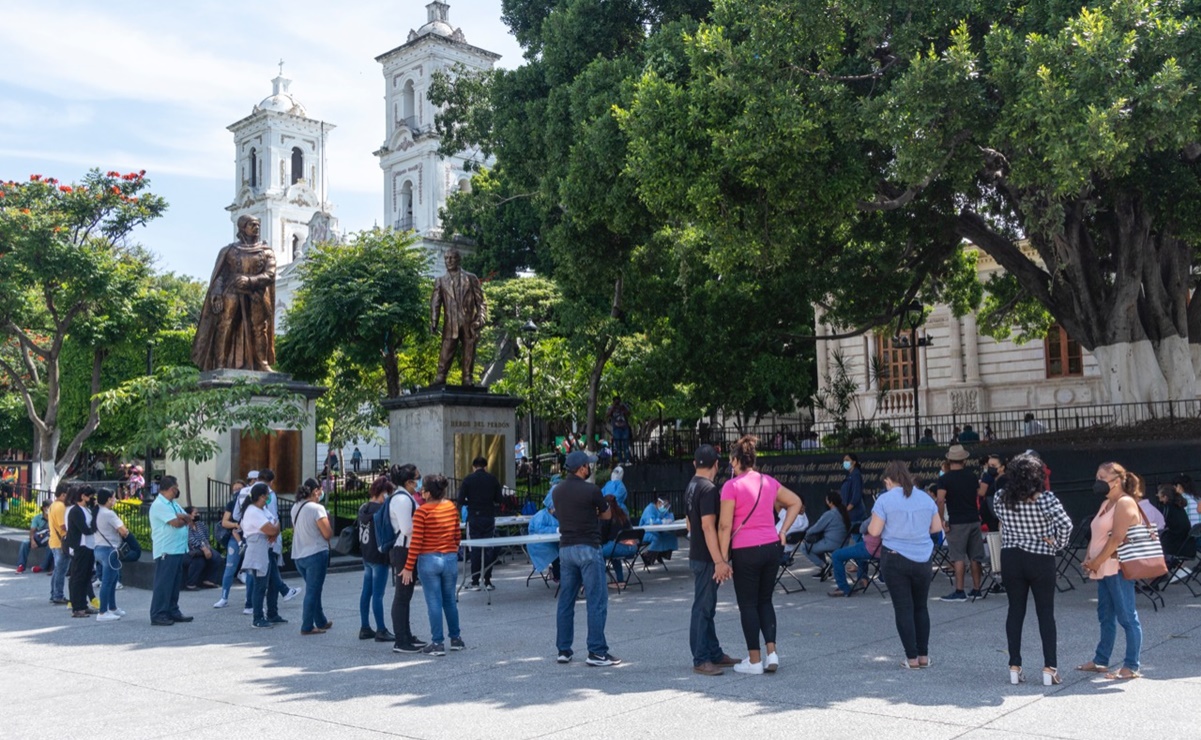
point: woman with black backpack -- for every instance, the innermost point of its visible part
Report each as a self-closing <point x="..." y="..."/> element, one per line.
<point x="375" y="565"/>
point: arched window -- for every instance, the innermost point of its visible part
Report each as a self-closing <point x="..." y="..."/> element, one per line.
<point x="295" y="247"/>
<point x="404" y="221"/>
<point x="297" y="165"/>
<point x="408" y="106"/>
<point x="465" y="185"/>
<point x="254" y="167"/>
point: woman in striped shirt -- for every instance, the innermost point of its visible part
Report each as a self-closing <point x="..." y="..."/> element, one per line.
<point x="434" y="550"/>
<point x="1033" y="527"/>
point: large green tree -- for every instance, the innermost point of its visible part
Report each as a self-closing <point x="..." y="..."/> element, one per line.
<point x="69" y="270"/>
<point x="367" y="299"/>
<point x="869" y="140"/>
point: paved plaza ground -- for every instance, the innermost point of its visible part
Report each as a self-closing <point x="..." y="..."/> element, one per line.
<point x="840" y="674"/>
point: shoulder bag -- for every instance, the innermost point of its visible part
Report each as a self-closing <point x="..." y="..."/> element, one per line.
<point x="758" y="495"/>
<point x="1140" y="556"/>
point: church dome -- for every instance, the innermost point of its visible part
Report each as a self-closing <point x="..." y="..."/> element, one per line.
<point x="280" y="100"/>
<point x="437" y="27"/>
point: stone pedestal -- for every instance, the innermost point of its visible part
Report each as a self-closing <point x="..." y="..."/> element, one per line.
<point x="291" y="453"/>
<point x="441" y="429"/>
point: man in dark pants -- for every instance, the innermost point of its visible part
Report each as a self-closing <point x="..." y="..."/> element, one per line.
<point x="481" y="493"/>
<point x="702" y="503"/>
<point x="169" y="532"/>
<point x="401" y="507"/>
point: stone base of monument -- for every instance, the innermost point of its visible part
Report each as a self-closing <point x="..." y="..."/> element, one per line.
<point x="290" y="453"/>
<point x="442" y="429"/>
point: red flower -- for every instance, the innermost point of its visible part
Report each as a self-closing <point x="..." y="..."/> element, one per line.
<point x="113" y="173"/>
<point x="116" y="190"/>
<point x="65" y="188"/>
<point x="141" y="173"/>
<point x="25" y="211"/>
<point x="35" y="178"/>
<point x="134" y="199"/>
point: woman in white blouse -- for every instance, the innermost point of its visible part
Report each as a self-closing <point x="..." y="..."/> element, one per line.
<point x="259" y="530"/>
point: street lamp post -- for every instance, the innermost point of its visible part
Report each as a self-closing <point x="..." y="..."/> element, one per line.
<point x="531" y="332"/>
<point x="914" y="315"/>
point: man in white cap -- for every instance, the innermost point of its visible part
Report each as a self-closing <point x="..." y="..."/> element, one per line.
<point x="958" y="492"/>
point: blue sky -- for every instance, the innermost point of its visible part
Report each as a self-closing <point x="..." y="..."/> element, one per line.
<point x="130" y="85"/>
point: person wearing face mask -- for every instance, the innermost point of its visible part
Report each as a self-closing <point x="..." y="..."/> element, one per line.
<point x="661" y="544"/>
<point x="851" y="490"/>
<point x="311" y="532"/>
<point x="401" y="507"/>
<point x="1115" y="594"/>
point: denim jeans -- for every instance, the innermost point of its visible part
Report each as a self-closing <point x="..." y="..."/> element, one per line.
<point x="262" y="593"/>
<point x="582" y="565"/>
<point x="58" y="579"/>
<point x="168" y="579"/>
<point x="312" y="569"/>
<point x="815" y="552"/>
<point x="838" y="559"/>
<point x="1115" y="605"/>
<point x="908" y="584"/>
<point x="438" y="572"/>
<point x="371" y="599"/>
<point x="23" y="555"/>
<point x="107" y="562"/>
<point x="233" y="558"/>
<point x="702" y="634"/>
<point x="614" y="551"/>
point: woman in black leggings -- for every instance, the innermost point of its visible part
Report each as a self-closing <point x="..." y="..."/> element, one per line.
<point x="81" y="530"/>
<point x="1033" y="527"/>
<point x="750" y="543"/>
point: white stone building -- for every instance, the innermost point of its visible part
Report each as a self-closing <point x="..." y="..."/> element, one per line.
<point x="280" y="179"/>
<point x="964" y="377"/>
<point x="417" y="180"/>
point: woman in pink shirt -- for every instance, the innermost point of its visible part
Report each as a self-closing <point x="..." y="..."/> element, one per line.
<point x="1115" y="594"/>
<point x="751" y="544"/>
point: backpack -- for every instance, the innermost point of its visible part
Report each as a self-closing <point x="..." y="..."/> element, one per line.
<point x="385" y="533"/>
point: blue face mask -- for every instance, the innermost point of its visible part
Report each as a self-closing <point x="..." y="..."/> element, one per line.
<point x="663" y="509"/>
<point x="419" y="485"/>
<point x="846" y="464"/>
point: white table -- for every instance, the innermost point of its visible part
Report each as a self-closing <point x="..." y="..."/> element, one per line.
<point x="678" y="526"/>
<point x="515" y="541"/>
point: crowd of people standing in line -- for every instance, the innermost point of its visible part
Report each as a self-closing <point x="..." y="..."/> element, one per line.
<point x="410" y="528"/>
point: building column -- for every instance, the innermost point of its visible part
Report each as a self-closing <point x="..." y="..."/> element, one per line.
<point x="971" y="346"/>
<point x="955" y="348"/>
<point x="823" y="354"/>
<point x="869" y="354"/>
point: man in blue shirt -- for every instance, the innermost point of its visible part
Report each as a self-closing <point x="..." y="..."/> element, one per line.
<point x="169" y="533"/>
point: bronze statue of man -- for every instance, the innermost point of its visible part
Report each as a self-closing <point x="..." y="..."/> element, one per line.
<point x="460" y="296"/>
<point x="237" y="321"/>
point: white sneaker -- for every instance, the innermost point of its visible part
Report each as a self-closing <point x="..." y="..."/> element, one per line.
<point x="248" y="612"/>
<point x="746" y="666"/>
<point x="221" y="604"/>
<point x="119" y="612"/>
<point x="107" y="617"/>
<point x="242" y="578"/>
<point x="120" y="586"/>
<point x="772" y="663"/>
<point x="292" y="594"/>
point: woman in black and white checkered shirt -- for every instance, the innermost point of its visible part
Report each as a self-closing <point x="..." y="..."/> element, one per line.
<point x="1034" y="526"/>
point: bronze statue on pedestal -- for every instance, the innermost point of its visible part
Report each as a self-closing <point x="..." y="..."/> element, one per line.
<point x="460" y="296"/>
<point x="237" y="322"/>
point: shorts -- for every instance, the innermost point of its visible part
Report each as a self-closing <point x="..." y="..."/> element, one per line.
<point x="965" y="542"/>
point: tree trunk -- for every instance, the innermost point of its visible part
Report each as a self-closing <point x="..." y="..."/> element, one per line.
<point x="187" y="481"/>
<point x="1118" y="284"/>
<point x="594" y="380"/>
<point x="391" y="372"/>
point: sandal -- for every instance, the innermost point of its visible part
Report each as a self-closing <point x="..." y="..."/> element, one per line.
<point x="1051" y="677"/>
<point x="920" y="664"/>
<point x="912" y="666"/>
<point x="1124" y="674"/>
<point x="1091" y="667"/>
<point x="1016" y="676"/>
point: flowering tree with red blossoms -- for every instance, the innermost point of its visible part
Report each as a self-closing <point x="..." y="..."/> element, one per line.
<point x="68" y="269"/>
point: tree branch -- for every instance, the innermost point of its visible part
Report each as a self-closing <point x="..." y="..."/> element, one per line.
<point x="34" y="418"/>
<point x="882" y="203"/>
<point x="822" y="74"/>
<point x="93" y="421"/>
<point x="26" y="340"/>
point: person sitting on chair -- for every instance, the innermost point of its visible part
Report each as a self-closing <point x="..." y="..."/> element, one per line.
<point x="611" y="548"/>
<point x="661" y="544"/>
<point x="544" y="555"/>
<point x="202" y="566"/>
<point x="829" y="532"/>
<point x="860" y="553"/>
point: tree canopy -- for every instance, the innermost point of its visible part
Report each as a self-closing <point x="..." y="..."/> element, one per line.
<point x="69" y="271"/>
<point x="871" y="140"/>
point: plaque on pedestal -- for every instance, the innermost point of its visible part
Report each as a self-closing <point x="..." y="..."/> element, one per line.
<point x="290" y="453"/>
<point x="441" y="430"/>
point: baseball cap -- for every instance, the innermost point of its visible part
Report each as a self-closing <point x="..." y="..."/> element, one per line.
<point x="705" y="457"/>
<point x="578" y="459"/>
